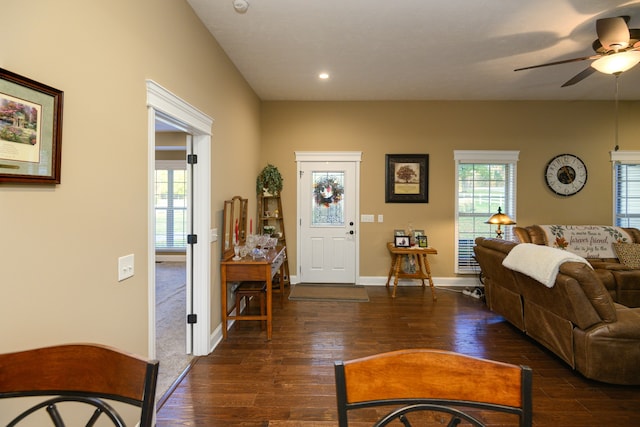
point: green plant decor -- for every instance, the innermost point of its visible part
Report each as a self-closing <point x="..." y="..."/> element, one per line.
<point x="269" y="179"/>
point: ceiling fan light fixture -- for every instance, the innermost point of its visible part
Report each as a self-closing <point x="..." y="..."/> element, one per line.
<point x="617" y="63"/>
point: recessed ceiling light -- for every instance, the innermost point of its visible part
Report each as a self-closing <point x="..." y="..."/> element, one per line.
<point x="323" y="76"/>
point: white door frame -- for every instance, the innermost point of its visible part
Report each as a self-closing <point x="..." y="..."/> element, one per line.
<point x="328" y="156"/>
<point x="166" y="107"/>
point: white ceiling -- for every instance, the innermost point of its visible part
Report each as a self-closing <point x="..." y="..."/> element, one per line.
<point x="417" y="49"/>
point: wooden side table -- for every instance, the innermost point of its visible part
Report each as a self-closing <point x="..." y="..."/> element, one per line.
<point x="423" y="270"/>
<point x="250" y="270"/>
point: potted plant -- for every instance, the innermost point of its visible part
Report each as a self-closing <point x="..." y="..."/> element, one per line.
<point x="269" y="181"/>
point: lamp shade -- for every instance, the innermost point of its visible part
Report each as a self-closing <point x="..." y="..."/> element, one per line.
<point x="617" y="63"/>
<point x="500" y="219"/>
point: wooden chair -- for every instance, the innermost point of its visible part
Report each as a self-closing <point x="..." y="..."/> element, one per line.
<point x="436" y="381"/>
<point x="84" y="373"/>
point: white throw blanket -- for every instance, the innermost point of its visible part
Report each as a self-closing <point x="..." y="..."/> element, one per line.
<point x="539" y="262"/>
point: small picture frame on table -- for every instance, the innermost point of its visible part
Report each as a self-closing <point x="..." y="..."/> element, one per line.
<point x="399" y="232"/>
<point x="422" y="241"/>
<point x="402" y="242"/>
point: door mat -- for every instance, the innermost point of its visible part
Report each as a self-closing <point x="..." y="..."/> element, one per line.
<point x="328" y="292"/>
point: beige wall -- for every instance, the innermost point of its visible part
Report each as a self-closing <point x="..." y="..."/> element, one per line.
<point x="540" y="130"/>
<point x="60" y="244"/>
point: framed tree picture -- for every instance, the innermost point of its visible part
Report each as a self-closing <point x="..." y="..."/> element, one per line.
<point x="30" y="130"/>
<point x="407" y="178"/>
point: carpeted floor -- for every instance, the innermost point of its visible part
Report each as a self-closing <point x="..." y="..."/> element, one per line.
<point x="170" y="323"/>
<point x="328" y="292"/>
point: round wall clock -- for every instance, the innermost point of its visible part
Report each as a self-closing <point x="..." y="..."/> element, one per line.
<point x="566" y="174"/>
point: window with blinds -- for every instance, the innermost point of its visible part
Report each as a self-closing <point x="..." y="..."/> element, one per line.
<point x="486" y="181"/>
<point x="626" y="194"/>
<point x="170" y="198"/>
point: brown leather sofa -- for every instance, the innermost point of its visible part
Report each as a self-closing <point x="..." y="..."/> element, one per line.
<point x="622" y="282"/>
<point x="576" y="318"/>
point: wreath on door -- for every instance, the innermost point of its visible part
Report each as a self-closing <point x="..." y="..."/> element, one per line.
<point x="327" y="191"/>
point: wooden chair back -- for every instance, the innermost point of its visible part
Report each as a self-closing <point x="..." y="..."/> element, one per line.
<point x="85" y="373"/>
<point x="433" y="380"/>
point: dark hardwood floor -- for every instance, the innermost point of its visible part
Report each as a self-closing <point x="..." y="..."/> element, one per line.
<point x="248" y="381"/>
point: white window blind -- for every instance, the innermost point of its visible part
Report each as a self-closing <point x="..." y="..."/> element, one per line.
<point x="626" y="191"/>
<point x="170" y="197"/>
<point x="486" y="181"/>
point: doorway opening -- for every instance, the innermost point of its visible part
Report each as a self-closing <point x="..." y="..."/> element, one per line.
<point x="172" y="226"/>
<point x="167" y="111"/>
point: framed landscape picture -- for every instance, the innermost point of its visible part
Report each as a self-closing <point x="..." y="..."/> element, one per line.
<point x="30" y="130"/>
<point x="407" y="178"/>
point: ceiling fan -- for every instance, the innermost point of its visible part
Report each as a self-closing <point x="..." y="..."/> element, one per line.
<point x="617" y="49"/>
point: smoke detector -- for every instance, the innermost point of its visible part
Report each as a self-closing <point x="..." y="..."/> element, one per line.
<point x="240" y="6"/>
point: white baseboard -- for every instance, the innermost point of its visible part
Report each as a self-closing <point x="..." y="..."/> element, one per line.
<point x="215" y="339"/>
<point x="453" y="282"/>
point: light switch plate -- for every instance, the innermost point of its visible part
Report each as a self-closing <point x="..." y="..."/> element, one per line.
<point x="380" y="218"/>
<point x="366" y="218"/>
<point x="125" y="267"/>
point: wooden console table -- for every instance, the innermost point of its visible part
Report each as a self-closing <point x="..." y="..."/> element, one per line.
<point x="250" y="270"/>
<point x="423" y="270"/>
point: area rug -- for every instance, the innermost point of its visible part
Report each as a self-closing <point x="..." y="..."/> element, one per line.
<point x="328" y="292"/>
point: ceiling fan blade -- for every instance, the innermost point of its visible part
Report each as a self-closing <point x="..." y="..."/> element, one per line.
<point x="613" y="33"/>
<point x="565" y="61"/>
<point x="580" y="76"/>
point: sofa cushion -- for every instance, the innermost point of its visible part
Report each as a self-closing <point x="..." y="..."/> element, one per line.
<point x="628" y="254"/>
<point x="531" y="234"/>
<point x="593" y="289"/>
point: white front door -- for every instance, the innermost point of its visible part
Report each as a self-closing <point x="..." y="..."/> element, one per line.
<point x="328" y="226"/>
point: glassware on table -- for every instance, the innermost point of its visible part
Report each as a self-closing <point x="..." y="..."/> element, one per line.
<point x="244" y="251"/>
